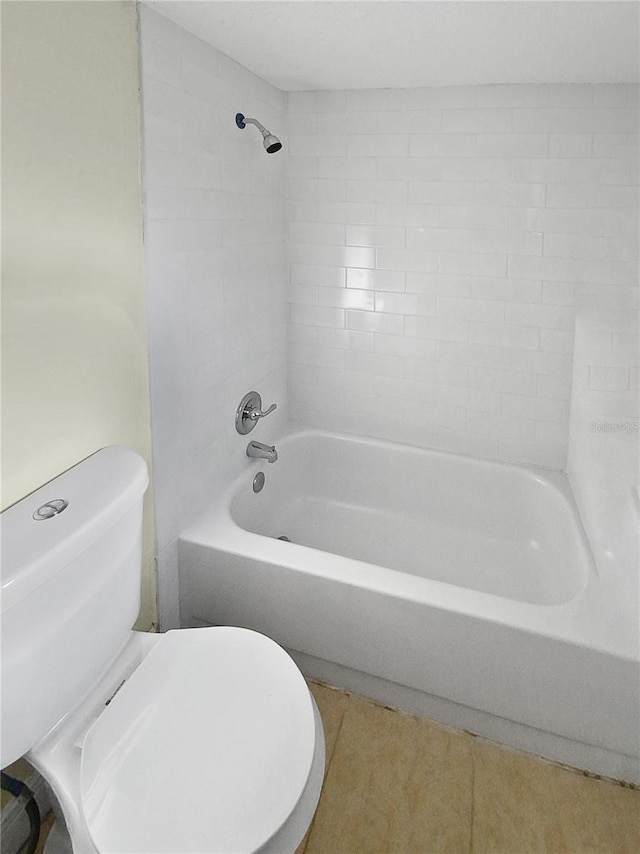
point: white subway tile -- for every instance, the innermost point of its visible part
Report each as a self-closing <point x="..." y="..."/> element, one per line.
<point x="408" y="168"/>
<point x="608" y="378"/>
<point x="377" y="145"/>
<point x="302" y="294"/>
<point x="504" y="335"/>
<point x="570" y="95"/>
<point x="538" y="408"/>
<point x="302" y="274"/>
<point x="410" y="304"/>
<point x="312" y="189"/>
<point x="570" y="145"/>
<point x="345" y="339"/>
<point x="313" y="354"/>
<point x="556" y="340"/>
<point x="468" y="354"/>
<point x="501" y="426"/>
<point x="509" y="241"/>
<point x="442" y="145"/>
<point x="512" y="145"/>
<point x="552" y="433"/>
<point x="448" y="374"/>
<point x="516" y="290"/>
<point x="370" y="321"/>
<point x="351" y="212"/>
<point x="374" y="363"/>
<point x="409" y="260"/>
<point x="473" y="264"/>
<point x="442" y="192"/>
<point x="556" y="388"/>
<point x="462" y="308"/>
<point x="558" y="293"/>
<point x="436" y="283"/>
<point x="567" y="120"/>
<point x="316" y="232"/>
<point x="437" y="329"/>
<point x="375" y="235"/>
<point x="347" y="256"/>
<point x="409" y="348"/>
<point x="386" y="280"/>
<point x="355" y="168"/>
<point x="304" y="167"/>
<point x="378" y="192"/>
<point x="502" y="380"/>
<point x="545" y="316"/>
<point x="315" y="315"/>
<point x="473" y="216"/>
<point x="425" y="216"/>
<point x="439" y="239"/>
<point x="409" y="122"/>
<point x="419" y="370"/>
<point x="318" y="145"/>
<point x="346" y="298"/>
<point x="476" y="121"/>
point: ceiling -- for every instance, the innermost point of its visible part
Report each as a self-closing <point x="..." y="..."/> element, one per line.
<point x="348" y="44"/>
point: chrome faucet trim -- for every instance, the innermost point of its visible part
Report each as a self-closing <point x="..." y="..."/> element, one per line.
<point x="262" y="452"/>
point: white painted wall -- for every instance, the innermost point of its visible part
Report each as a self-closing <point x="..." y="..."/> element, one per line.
<point x="436" y="238"/>
<point x="215" y="272"/>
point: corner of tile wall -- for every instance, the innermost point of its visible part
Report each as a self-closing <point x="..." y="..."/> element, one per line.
<point x="216" y="272"/>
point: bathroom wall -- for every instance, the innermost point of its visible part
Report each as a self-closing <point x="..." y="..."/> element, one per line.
<point x="436" y="240"/>
<point x="75" y="366"/>
<point x="215" y="273"/>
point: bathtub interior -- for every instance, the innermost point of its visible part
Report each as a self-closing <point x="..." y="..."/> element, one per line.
<point x="488" y="527"/>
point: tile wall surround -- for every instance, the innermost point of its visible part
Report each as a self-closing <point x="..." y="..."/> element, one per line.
<point x="216" y="275"/>
<point x="437" y="240"/>
<point x="436" y="244"/>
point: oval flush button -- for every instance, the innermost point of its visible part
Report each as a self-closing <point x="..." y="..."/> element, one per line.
<point x="50" y="509"/>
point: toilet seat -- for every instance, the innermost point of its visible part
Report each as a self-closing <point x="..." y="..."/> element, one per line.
<point x="207" y="747"/>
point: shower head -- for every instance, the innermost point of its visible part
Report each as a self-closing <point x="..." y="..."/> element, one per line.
<point x="271" y="143"/>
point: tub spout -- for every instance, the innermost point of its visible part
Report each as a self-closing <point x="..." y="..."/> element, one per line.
<point x="262" y="452"/>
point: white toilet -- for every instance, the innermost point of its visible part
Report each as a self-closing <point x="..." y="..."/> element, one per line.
<point x="197" y="740"/>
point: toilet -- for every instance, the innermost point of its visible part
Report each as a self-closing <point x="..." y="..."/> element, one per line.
<point x="196" y="740"/>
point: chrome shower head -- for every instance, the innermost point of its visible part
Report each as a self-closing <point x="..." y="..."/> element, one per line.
<point x="271" y="143"/>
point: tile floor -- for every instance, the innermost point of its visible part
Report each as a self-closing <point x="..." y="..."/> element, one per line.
<point x="397" y="784"/>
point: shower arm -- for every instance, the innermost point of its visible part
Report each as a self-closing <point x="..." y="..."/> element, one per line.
<point x="255" y="122"/>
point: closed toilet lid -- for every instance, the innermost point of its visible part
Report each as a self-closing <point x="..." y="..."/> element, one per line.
<point x="207" y="747"/>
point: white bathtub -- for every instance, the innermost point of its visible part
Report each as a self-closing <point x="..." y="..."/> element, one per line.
<point x="457" y="588"/>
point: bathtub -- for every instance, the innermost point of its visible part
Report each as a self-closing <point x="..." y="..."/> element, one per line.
<point x="456" y="588"/>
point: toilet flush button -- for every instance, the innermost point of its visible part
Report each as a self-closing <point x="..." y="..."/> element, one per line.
<point x="50" y="509"/>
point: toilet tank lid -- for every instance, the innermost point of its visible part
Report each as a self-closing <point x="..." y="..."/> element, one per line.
<point x="99" y="490"/>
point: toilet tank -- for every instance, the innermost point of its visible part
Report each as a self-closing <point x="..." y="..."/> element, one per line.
<point x="70" y="590"/>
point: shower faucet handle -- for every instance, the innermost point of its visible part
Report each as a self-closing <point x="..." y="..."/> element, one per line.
<point x="249" y="412"/>
<point x="255" y="413"/>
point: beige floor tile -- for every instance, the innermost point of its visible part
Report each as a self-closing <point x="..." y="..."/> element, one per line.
<point x="332" y="704"/>
<point x="395" y="784"/>
<point x="522" y="805"/>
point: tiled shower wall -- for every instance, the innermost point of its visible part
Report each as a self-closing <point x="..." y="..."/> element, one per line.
<point x="216" y="273"/>
<point x="437" y="238"/>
